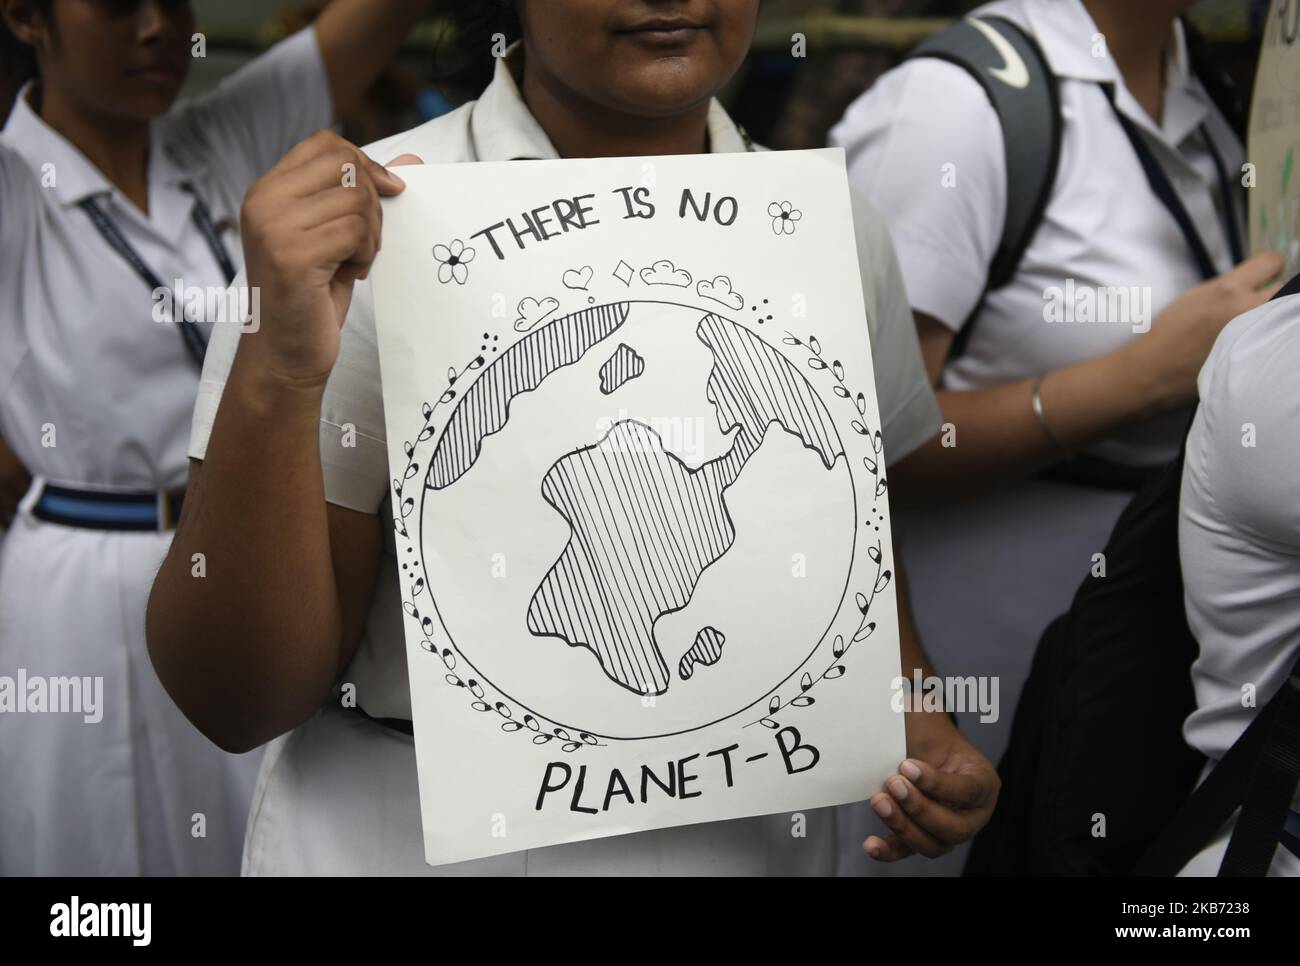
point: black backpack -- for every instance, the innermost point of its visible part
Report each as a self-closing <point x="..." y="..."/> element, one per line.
<point x="1097" y="735"/>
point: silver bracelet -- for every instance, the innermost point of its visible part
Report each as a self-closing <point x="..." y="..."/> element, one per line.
<point x="1036" y="403"/>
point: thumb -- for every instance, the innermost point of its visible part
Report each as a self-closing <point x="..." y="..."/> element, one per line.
<point x="404" y="159"/>
<point x="388" y="183"/>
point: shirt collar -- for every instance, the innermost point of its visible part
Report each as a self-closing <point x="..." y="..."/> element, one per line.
<point x="75" y="177"/>
<point x="1066" y="31"/>
<point x="504" y="129"/>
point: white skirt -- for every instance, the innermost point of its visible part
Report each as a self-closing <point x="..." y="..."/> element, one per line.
<point x="122" y="785"/>
<point x="339" y="796"/>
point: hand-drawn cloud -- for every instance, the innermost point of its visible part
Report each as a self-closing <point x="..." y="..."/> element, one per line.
<point x="577" y="278"/>
<point x="664" y="272"/>
<point x="531" y="311"/>
<point x="719" y="290"/>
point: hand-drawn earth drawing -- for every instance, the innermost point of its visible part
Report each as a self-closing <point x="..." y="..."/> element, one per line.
<point x="626" y="488"/>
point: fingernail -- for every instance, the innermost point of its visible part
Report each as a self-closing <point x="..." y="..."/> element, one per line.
<point x="873" y="849"/>
<point x="898" y="788"/>
<point x="910" y="770"/>
<point x="883" y="807"/>
<point x="396" y="180"/>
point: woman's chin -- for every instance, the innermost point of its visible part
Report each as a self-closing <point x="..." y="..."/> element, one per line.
<point x="664" y="89"/>
<point x="148" y="97"/>
<point x="146" y="106"/>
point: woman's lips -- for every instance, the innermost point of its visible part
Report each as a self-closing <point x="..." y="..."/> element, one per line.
<point x="663" y="33"/>
<point x="159" y="74"/>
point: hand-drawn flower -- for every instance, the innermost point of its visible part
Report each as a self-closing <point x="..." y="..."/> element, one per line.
<point x="784" y="215"/>
<point x="453" y="261"/>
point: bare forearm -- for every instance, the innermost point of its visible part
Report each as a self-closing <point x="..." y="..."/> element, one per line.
<point x="358" y="39"/>
<point x="244" y="625"/>
<point x="992" y="436"/>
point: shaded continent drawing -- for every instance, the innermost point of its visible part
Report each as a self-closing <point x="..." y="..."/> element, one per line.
<point x="644" y="525"/>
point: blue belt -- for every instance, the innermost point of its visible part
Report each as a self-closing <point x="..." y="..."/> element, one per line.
<point x="150" y="510"/>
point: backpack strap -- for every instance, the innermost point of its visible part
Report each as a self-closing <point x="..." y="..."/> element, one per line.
<point x="1272" y="785"/>
<point x="1008" y="63"/>
<point x="1253" y="775"/>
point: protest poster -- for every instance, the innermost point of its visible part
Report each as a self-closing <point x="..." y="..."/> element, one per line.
<point x="639" y="495"/>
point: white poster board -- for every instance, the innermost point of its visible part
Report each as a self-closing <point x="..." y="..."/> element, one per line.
<point x="1275" y="137"/>
<point x="639" y="493"/>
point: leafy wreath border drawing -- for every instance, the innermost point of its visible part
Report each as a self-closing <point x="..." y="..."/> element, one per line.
<point x="840" y="647"/>
<point x="534" y="723"/>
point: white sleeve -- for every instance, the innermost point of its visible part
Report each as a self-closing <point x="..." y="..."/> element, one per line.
<point x="1242" y="444"/>
<point x="909" y="413"/>
<point x="220" y="355"/>
<point x="262" y="110"/>
<point x="925" y="146"/>
<point x="353" y="447"/>
<point x="354" y="455"/>
<point x="19" y="197"/>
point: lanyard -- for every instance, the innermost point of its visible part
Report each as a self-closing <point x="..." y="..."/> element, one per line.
<point x="195" y="344"/>
<point x="1165" y="193"/>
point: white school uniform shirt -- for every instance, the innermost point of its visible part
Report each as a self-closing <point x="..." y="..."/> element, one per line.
<point x="79" y="347"/>
<point x="1239" y="535"/>
<point x="1007" y="562"/>
<point x="339" y="794"/>
<point x="1103" y="225"/>
<point x="94" y="394"/>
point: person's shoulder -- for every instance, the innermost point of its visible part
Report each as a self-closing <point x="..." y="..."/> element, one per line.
<point x="946" y="86"/>
<point x="20" y="197"/>
<point x="15" y="172"/>
<point x="1256" y="355"/>
<point x="445" y="139"/>
<point x="921" y="93"/>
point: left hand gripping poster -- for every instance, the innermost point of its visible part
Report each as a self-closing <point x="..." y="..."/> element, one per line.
<point x="639" y="495"/>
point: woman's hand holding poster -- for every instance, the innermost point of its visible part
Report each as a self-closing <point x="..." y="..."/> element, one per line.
<point x="639" y="493"/>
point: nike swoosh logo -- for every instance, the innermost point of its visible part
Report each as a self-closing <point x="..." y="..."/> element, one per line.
<point x="1013" y="71"/>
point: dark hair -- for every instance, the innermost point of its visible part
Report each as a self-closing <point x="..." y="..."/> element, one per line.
<point x="463" y="60"/>
<point x="18" y="59"/>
